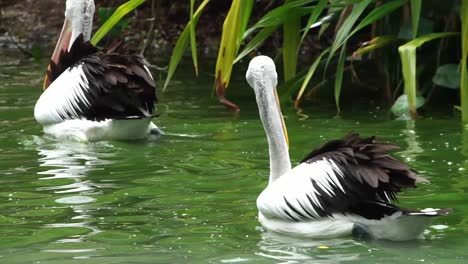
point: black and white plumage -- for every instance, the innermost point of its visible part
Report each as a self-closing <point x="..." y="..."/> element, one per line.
<point x="93" y="94"/>
<point x="347" y="186"/>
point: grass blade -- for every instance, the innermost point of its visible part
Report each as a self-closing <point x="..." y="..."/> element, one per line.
<point x="308" y="76"/>
<point x="377" y="14"/>
<point x="279" y="15"/>
<point x="415" y="15"/>
<point x="339" y="77"/>
<point x="234" y="24"/>
<point x="246" y="10"/>
<point x="373" y="44"/>
<point x="291" y="40"/>
<point x="408" y="63"/>
<point x="318" y="9"/>
<point x="256" y="41"/>
<point x="464" y="71"/>
<point x="182" y="44"/>
<point x="343" y="32"/>
<point x="193" y="41"/>
<point x="114" y="19"/>
<point x="229" y="44"/>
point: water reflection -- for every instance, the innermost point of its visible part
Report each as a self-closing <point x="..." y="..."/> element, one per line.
<point x="413" y="148"/>
<point x="301" y="250"/>
<point x="67" y="167"/>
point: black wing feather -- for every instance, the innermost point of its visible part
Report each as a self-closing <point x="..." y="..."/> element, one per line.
<point x="372" y="177"/>
<point x="120" y="87"/>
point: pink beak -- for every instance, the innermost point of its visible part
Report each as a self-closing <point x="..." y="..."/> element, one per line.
<point x="62" y="45"/>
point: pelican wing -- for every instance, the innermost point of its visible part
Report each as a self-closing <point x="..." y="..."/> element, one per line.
<point x="96" y="87"/>
<point x="349" y="176"/>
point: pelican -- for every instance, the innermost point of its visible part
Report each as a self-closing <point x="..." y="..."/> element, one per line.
<point x="92" y="95"/>
<point x="346" y="187"/>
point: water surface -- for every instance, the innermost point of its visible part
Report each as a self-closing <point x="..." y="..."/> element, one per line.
<point x="189" y="197"/>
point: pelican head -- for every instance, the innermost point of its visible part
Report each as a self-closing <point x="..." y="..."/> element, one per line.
<point x="80" y="14"/>
<point x="78" y="20"/>
<point x="262" y="77"/>
<point x="262" y="69"/>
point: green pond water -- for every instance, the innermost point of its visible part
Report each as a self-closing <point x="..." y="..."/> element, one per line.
<point x="189" y="197"/>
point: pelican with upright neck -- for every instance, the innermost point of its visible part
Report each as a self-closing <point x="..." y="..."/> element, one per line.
<point x="346" y="187"/>
<point x="261" y="76"/>
<point x="78" y="21"/>
<point x="94" y="95"/>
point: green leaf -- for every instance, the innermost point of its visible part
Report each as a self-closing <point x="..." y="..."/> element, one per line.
<point x="377" y="14"/>
<point x="373" y="44"/>
<point x="230" y="42"/>
<point x="193" y="41"/>
<point x="408" y="63"/>
<point x="291" y="41"/>
<point x="308" y="76"/>
<point x="318" y="9"/>
<point x="255" y="42"/>
<point x="339" y="77"/>
<point x="114" y="19"/>
<point x="425" y="27"/>
<point x="246" y="11"/>
<point x="105" y="13"/>
<point x="401" y="107"/>
<point x="279" y="15"/>
<point x="448" y="75"/>
<point x="344" y="33"/>
<point x="415" y="15"/>
<point x="464" y="55"/>
<point x="182" y="44"/>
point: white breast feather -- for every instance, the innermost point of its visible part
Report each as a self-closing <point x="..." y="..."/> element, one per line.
<point x="296" y="186"/>
<point x="63" y="96"/>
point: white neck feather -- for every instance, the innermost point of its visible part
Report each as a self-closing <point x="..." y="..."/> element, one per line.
<point x="277" y="145"/>
<point x="80" y="13"/>
<point x="261" y="75"/>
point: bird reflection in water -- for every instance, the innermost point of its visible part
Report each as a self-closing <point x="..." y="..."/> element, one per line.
<point x="287" y="249"/>
<point x="72" y="162"/>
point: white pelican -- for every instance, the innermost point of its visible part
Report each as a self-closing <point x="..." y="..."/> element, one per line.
<point x="346" y="187"/>
<point x="92" y="95"/>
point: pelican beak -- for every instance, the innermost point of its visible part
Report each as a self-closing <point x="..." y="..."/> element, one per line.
<point x="285" y="131"/>
<point x="62" y="45"/>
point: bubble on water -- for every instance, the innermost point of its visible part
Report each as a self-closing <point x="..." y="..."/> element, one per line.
<point x="439" y="227"/>
<point x="75" y="200"/>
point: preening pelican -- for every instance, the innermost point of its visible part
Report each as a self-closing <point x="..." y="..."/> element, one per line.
<point x="93" y="95"/>
<point x="345" y="187"/>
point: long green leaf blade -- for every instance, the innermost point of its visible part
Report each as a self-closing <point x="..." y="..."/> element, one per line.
<point x="373" y="44"/>
<point x="377" y="14"/>
<point x="291" y="40"/>
<point x="318" y="9"/>
<point x="246" y="11"/>
<point x="408" y="63"/>
<point x="193" y="41"/>
<point x="228" y="45"/>
<point x="279" y="15"/>
<point x="415" y="15"/>
<point x="256" y="41"/>
<point x="308" y="76"/>
<point x="114" y="19"/>
<point x="182" y="44"/>
<point x="339" y="77"/>
<point x="343" y="32"/>
<point x="464" y="71"/>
